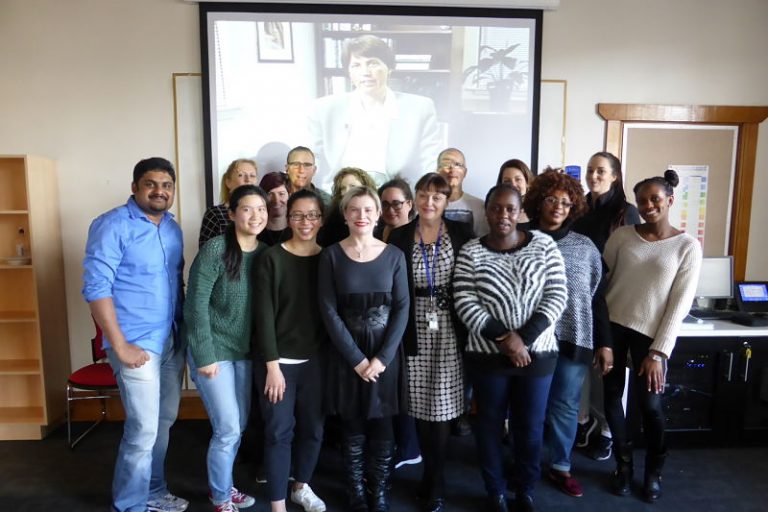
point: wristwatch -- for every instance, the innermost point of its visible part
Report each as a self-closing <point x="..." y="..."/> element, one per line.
<point x="656" y="357"/>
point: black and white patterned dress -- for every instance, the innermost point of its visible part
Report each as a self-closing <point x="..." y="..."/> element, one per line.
<point x="435" y="375"/>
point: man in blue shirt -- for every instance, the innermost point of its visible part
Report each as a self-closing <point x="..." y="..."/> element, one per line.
<point x="132" y="282"/>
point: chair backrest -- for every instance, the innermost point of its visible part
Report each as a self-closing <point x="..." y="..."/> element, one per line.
<point x="97" y="344"/>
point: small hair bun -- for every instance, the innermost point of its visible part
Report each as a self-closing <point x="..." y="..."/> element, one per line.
<point x="671" y="177"/>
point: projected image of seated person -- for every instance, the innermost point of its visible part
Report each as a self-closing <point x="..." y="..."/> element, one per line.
<point x="385" y="132"/>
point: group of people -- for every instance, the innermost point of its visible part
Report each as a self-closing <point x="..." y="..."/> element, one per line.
<point x="392" y="310"/>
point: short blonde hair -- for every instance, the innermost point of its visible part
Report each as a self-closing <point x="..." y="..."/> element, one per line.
<point x="359" y="192"/>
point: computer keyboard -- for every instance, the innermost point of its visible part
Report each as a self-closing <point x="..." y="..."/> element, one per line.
<point x="711" y="314"/>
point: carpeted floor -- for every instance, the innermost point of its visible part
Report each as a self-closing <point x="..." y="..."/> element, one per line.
<point x="46" y="475"/>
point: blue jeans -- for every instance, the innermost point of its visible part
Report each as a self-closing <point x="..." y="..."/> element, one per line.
<point x="227" y="400"/>
<point x="525" y="397"/>
<point x="150" y="396"/>
<point x="563" y="411"/>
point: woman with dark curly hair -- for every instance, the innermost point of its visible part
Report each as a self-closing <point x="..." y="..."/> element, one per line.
<point x="334" y="227"/>
<point x="554" y="201"/>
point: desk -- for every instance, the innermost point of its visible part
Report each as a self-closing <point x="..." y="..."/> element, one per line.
<point x="718" y="383"/>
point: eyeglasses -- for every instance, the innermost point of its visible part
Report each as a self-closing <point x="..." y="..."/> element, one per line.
<point x="452" y="165"/>
<point x="296" y="165"/>
<point x="310" y="216"/>
<point x="553" y="201"/>
<point x="394" y="205"/>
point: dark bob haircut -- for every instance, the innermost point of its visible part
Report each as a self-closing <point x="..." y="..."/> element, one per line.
<point x="368" y="46"/>
<point x="434" y="181"/>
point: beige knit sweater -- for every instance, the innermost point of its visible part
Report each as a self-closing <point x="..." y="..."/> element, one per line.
<point x="651" y="285"/>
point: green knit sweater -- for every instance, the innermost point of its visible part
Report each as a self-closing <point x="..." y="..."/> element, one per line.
<point x="217" y="310"/>
<point x="286" y="308"/>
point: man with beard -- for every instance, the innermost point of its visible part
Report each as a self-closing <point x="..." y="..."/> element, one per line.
<point x="132" y="283"/>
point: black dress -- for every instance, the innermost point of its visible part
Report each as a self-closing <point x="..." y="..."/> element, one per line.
<point x="365" y="308"/>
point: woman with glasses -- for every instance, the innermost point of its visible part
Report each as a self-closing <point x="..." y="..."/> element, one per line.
<point x="335" y="228"/>
<point x="218" y="326"/>
<point x="289" y="364"/>
<point x="517" y="173"/>
<point x="553" y="202"/>
<point x="510" y="290"/>
<point x="434" y="335"/>
<point x="216" y="218"/>
<point x="653" y="270"/>
<point x="396" y="207"/>
<point x="363" y="292"/>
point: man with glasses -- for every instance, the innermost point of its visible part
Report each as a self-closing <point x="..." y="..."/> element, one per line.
<point x="462" y="206"/>
<point x="301" y="168"/>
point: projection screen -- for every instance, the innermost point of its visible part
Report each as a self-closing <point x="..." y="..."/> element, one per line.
<point x="443" y="77"/>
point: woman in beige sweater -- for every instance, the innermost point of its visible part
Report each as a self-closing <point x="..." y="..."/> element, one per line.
<point x="653" y="269"/>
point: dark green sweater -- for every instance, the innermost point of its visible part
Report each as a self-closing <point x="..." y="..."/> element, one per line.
<point x="287" y="319"/>
<point x="217" y="309"/>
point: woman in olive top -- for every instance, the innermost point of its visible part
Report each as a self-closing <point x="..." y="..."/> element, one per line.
<point x="289" y="337"/>
<point x="218" y="330"/>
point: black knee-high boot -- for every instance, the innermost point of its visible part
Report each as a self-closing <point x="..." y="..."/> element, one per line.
<point x="654" y="463"/>
<point x="353" y="452"/>
<point x="622" y="477"/>
<point x="380" y="455"/>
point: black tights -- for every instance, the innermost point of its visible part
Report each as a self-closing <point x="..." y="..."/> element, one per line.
<point x="627" y="341"/>
<point x="433" y="438"/>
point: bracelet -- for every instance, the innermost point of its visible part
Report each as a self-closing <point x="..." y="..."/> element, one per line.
<point x="656" y="357"/>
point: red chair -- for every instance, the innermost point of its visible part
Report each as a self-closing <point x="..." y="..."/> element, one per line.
<point x="96" y="377"/>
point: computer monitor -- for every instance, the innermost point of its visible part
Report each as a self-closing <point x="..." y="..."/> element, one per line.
<point x="752" y="297"/>
<point x="716" y="278"/>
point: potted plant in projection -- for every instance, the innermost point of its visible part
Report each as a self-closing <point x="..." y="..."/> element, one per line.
<point x="496" y="71"/>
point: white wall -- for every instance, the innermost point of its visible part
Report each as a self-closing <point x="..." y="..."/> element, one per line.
<point x="88" y="83"/>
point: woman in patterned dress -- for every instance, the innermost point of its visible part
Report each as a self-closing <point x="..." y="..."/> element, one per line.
<point x="434" y="336"/>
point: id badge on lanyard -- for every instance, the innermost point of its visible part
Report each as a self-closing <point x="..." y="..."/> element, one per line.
<point x="431" y="317"/>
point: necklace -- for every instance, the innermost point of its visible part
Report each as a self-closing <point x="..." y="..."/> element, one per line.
<point x="360" y="251"/>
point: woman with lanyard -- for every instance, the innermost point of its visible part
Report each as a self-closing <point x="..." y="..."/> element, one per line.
<point x="434" y="335"/>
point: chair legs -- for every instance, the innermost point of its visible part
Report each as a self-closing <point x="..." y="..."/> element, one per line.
<point x="71" y="398"/>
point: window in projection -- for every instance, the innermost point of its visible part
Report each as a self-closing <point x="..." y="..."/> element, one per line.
<point x="380" y="92"/>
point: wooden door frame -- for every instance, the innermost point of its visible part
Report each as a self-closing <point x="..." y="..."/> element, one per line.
<point x="746" y="119"/>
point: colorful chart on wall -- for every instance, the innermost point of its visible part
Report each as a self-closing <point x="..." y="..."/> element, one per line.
<point x="689" y="211"/>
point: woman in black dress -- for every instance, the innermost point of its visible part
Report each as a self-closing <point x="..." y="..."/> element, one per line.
<point x="364" y="303"/>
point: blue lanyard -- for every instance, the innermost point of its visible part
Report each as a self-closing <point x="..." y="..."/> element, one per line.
<point x="430" y="276"/>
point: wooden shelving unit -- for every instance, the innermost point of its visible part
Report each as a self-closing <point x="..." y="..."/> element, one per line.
<point x="34" y="341"/>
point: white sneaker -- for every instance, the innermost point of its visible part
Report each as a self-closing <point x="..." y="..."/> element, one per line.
<point x="406" y="462"/>
<point x="167" y="503"/>
<point x="307" y="499"/>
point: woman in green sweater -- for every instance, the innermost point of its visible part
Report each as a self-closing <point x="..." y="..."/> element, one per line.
<point x="289" y="338"/>
<point x="218" y="330"/>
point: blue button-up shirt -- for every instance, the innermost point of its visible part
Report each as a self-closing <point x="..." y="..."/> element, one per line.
<point x="139" y="265"/>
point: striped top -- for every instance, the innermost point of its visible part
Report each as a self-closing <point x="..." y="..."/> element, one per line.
<point x="523" y="290"/>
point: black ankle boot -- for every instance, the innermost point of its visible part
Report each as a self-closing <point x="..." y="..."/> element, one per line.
<point x="353" y="449"/>
<point x="621" y="483"/>
<point x="380" y="459"/>
<point x="654" y="463"/>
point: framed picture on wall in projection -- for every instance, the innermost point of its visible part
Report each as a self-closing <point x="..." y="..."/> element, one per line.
<point x="275" y="41"/>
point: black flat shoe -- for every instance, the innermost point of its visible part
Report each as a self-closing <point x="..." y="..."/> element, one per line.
<point x="524" y="503"/>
